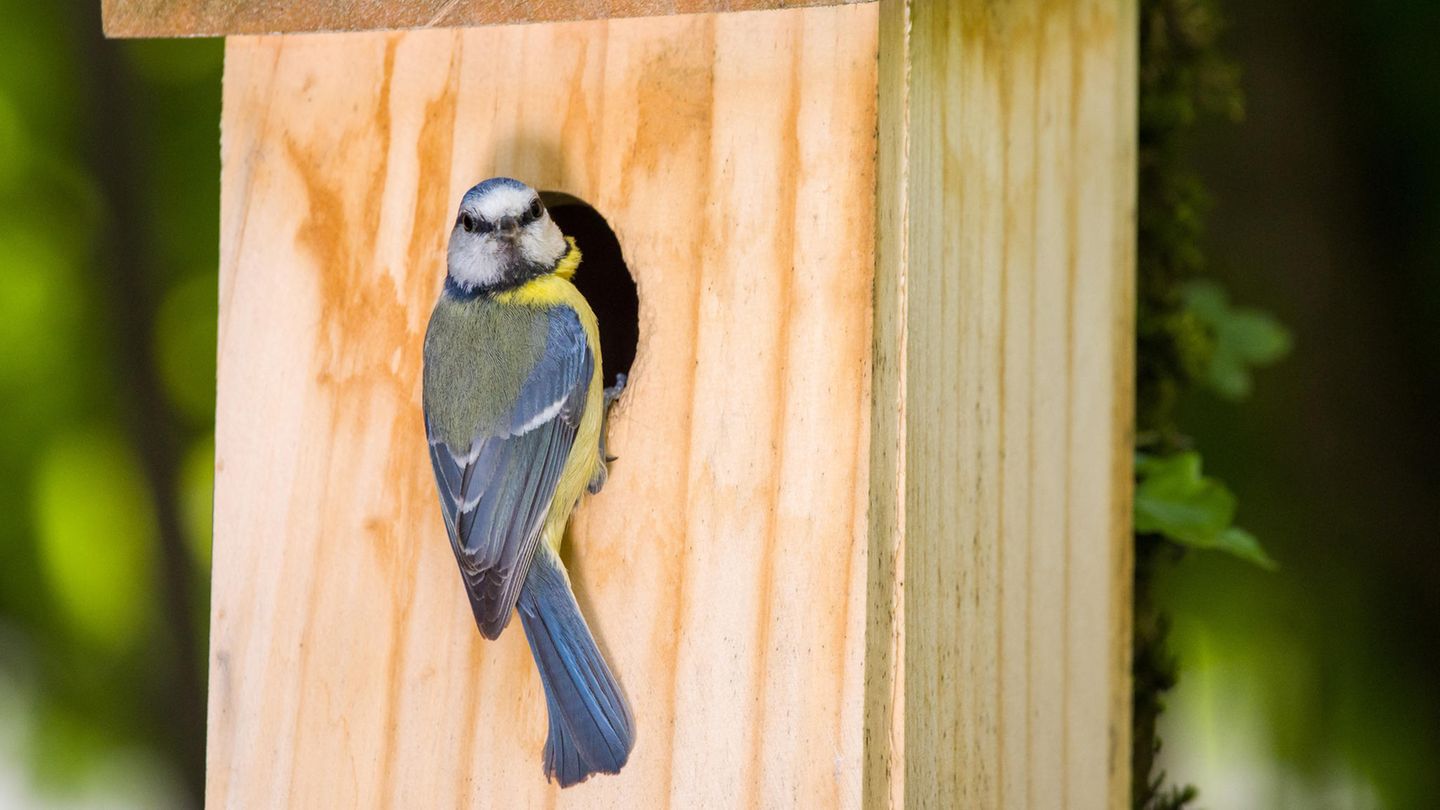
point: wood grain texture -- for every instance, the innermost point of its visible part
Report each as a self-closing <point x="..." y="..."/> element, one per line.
<point x="724" y="565"/>
<point x="181" y="18"/>
<point x="998" y="612"/>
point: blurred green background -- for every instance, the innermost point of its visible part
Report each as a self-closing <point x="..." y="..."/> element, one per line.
<point x="109" y="184"/>
<point x="1314" y="686"/>
<point x="1318" y="685"/>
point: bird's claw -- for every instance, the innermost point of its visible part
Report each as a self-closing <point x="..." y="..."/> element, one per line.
<point x="597" y="481"/>
<point x="613" y="392"/>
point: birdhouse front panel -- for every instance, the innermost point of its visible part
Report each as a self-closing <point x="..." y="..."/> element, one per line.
<point x="722" y="568"/>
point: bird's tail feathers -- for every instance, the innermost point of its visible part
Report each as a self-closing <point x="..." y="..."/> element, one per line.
<point x="591" y="727"/>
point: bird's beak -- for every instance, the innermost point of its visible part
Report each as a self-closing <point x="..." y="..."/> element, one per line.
<point x="508" y="227"/>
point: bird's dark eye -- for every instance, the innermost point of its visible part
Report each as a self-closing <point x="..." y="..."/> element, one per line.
<point x="467" y="221"/>
<point x="535" y="209"/>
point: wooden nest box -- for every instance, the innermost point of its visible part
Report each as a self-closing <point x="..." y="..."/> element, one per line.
<point x="868" y="541"/>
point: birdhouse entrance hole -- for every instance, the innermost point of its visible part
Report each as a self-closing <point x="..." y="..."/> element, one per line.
<point x="603" y="279"/>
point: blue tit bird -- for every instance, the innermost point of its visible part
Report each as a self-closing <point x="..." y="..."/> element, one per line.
<point x="513" y="412"/>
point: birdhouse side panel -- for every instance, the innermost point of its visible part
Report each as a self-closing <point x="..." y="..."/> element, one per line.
<point x="1005" y="324"/>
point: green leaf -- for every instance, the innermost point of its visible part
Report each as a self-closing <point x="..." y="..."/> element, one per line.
<point x="1246" y="546"/>
<point x="1243" y="338"/>
<point x="1173" y="498"/>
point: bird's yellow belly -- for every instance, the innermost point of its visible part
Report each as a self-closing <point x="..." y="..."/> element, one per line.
<point x="584" y="459"/>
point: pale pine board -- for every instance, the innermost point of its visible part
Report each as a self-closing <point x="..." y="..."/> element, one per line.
<point x="999" y="590"/>
<point x="723" y="567"/>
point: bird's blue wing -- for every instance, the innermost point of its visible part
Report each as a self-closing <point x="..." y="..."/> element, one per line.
<point x="496" y="492"/>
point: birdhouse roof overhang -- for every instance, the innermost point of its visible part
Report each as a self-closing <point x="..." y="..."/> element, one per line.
<point x="187" y="18"/>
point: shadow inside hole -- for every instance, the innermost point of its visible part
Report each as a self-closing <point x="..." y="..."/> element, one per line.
<point x="603" y="279"/>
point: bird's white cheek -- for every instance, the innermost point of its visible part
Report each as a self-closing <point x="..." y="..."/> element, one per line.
<point x="544" y="244"/>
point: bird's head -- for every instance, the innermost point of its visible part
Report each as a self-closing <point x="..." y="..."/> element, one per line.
<point x="502" y="236"/>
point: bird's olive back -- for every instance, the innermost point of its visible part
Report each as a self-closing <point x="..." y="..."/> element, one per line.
<point x="477" y="356"/>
